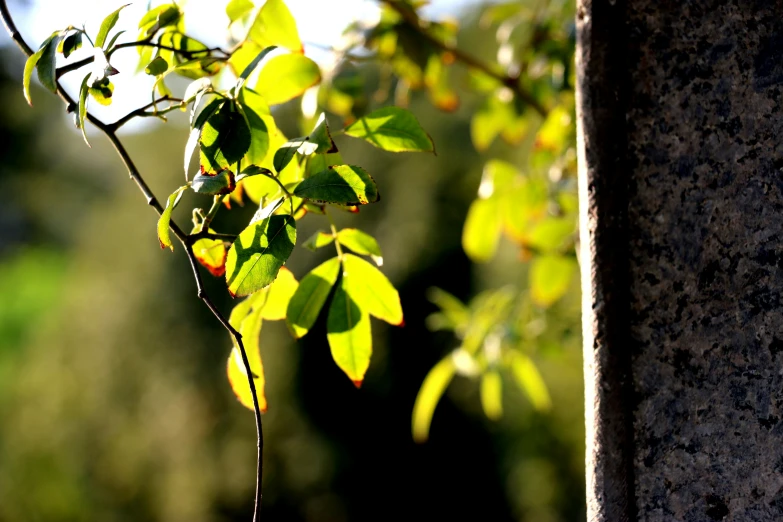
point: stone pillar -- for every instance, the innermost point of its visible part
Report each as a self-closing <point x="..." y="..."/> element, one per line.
<point x="681" y="189"/>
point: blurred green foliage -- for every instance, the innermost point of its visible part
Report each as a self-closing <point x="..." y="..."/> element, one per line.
<point x="113" y="404"/>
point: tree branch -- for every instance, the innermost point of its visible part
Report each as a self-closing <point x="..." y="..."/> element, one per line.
<point x="185" y="240"/>
<point x="512" y="82"/>
<point x="141" y="111"/>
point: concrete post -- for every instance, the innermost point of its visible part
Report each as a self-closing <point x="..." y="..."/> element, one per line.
<point x="681" y="188"/>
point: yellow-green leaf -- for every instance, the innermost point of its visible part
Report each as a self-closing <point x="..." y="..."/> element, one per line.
<point x="83" y="90"/>
<point x="481" y="232"/>
<point x="275" y="25"/>
<point x="107" y="25"/>
<point x="349" y="335"/>
<point x="236" y="9"/>
<point x="246" y="318"/>
<point x="550" y="277"/>
<point x="287" y="76"/>
<point x="371" y="290"/>
<point x="211" y="253"/>
<point x="310" y="296"/>
<point x="258" y="253"/>
<point x="392" y="129"/>
<point x="318" y="240"/>
<point x="343" y="184"/>
<point x="225" y="138"/>
<point x="529" y="380"/>
<point x="552" y="233"/>
<point x="429" y="395"/>
<point x="237" y="378"/>
<point x="491" y="391"/>
<point x="361" y="242"/>
<point x="279" y="295"/>
<point x="48" y="67"/>
<point x="165" y="218"/>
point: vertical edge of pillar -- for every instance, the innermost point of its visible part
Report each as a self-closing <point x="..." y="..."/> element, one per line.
<point x="602" y="81"/>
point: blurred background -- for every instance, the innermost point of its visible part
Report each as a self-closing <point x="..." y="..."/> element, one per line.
<point x="114" y="404"/>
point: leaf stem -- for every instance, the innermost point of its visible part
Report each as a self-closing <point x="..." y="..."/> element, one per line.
<point x="333" y="227"/>
<point x="142" y="111"/>
<point x="288" y="195"/>
<point x="184" y="239"/>
<point x="409" y="15"/>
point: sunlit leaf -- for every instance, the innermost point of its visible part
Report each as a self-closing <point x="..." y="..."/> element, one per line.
<point x="107" y="25"/>
<point x="287" y="76"/>
<point x="349" y="335"/>
<point x="253" y="107"/>
<point x="211" y="253"/>
<point x="318" y="240"/>
<point x="72" y="43"/>
<point x="236" y="9"/>
<point x="371" y="290"/>
<point x="237" y="378"/>
<point x="343" y="184"/>
<point x="246" y="319"/>
<point x="156" y="66"/>
<point x="491" y="392"/>
<point x="453" y="315"/>
<point x="552" y="233"/>
<point x="165" y="218"/>
<point x="250" y="67"/>
<point x="102" y="91"/>
<point x="46" y="67"/>
<point x="258" y="253"/>
<point x="529" y="380"/>
<point x="279" y="295"/>
<point x="429" y="395"/>
<point x="83" y="91"/>
<point x="310" y="296"/>
<point x="225" y="138"/>
<point x="275" y="25"/>
<point x="362" y="243"/>
<point x="523" y="206"/>
<point x="158" y="18"/>
<point x="30" y="66"/>
<point x="197" y="126"/>
<point x="392" y="129"/>
<point x="481" y="232"/>
<point x="321" y="138"/>
<point x="550" y="277"/>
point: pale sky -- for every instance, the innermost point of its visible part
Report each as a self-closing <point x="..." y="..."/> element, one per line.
<point x="319" y="21"/>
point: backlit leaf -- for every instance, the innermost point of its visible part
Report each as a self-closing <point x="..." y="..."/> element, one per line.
<point x="211" y="253"/>
<point x="481" y="232"/>
<point x="30" y="66"/>
<point x="310" y="296"/>
<point x="236" y="9"/>
<point x="237" y="378"/>
<point x="156" y="66"/>
<point x="165" y="218"/>
<point x="107" y="25"/>
<point x="318" y="240"/>
<point x="279" y="295"/>
<point x="429" y="395"/>
<point x="221" y="182"/>
<point x="349" y="335"/>
<point x="550" y="276"/>
<point x="275" y="25"/>
<point x="72" y="43"/>
<point x="287" y="76"/>
<point x="362" y="243"/>
<point x="491" y="392"/>
<point x="392" y="129"/>
<point x="246" y="318"/>
<point x="225" y="138"/>
<point x="371" y="290"/>
<point x="102" y="91"/>
<point x="322" y="138"/>
<point x="529" y="380"/>
<point x="256" y="256"/>
<point x="83" y="90"/>
<point x="47" y="65"/>
<point x="343" y="184"/>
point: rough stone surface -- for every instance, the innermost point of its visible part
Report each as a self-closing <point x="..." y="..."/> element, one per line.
<point x="704" y="181"/>
<point x="705" y="158"/>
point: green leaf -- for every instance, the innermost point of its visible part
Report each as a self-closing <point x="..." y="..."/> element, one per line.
<point x="275" y="25"/>
<point x="72" y="43"/>
<point x="371" y="290"/>
<point x="225" y="138"/>
<point x="236" y="9"/>
<point x="107" y="25"/>
<point x="529" y="380"/>
<point x="429" y="395"/>
<point x="392" y="129"/>
<point x="321" y="138"/>
<point x="113" y="40"/>
<point x="550" y="276"/>
<point x="254" y="63"/>
<point x="287" y="76"/>
<point x="349" y="335"/>
<point x="310" y="296"/>
<point x="318" y="240"/>
<point x="279" y="295"/>
<point x="46" y="67"/>
<point x="453" y="314"/>
<point x="194" y="92"/>
<point x="159" y="17"/>
<point x="197" y="126"/>
<point x="481" y="232"/>
<point x="343" y="184"/>
<point x="165" y="218"/>
<point x="258" y="253"/>
<point x="491" y="392"/>
<point x="552" y="233"/>
<point x="253" y="107"/>
<point x="156" y="66"/>
<point x="30" y="65"/>
<point x="83" y="90"/>
<point x="246" y="317"/>
<point x="362" y="243"/>
<point x="286" y="152"/>
<point x="211" y="253"/>
<point x="252" y="170"/>
<point x="214" y="184"/>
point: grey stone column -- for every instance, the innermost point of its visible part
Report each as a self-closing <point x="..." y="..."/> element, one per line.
<point x="681" y="189"/>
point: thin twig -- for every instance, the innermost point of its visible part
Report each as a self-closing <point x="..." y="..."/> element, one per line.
<point x="512" y="82"/>
<point x="141" y="111"/>
<point x="185" y="240"/>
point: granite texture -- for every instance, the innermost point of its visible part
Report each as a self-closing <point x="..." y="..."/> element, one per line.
<point x="697" y="434"/>
<point x="705" y="223"/>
